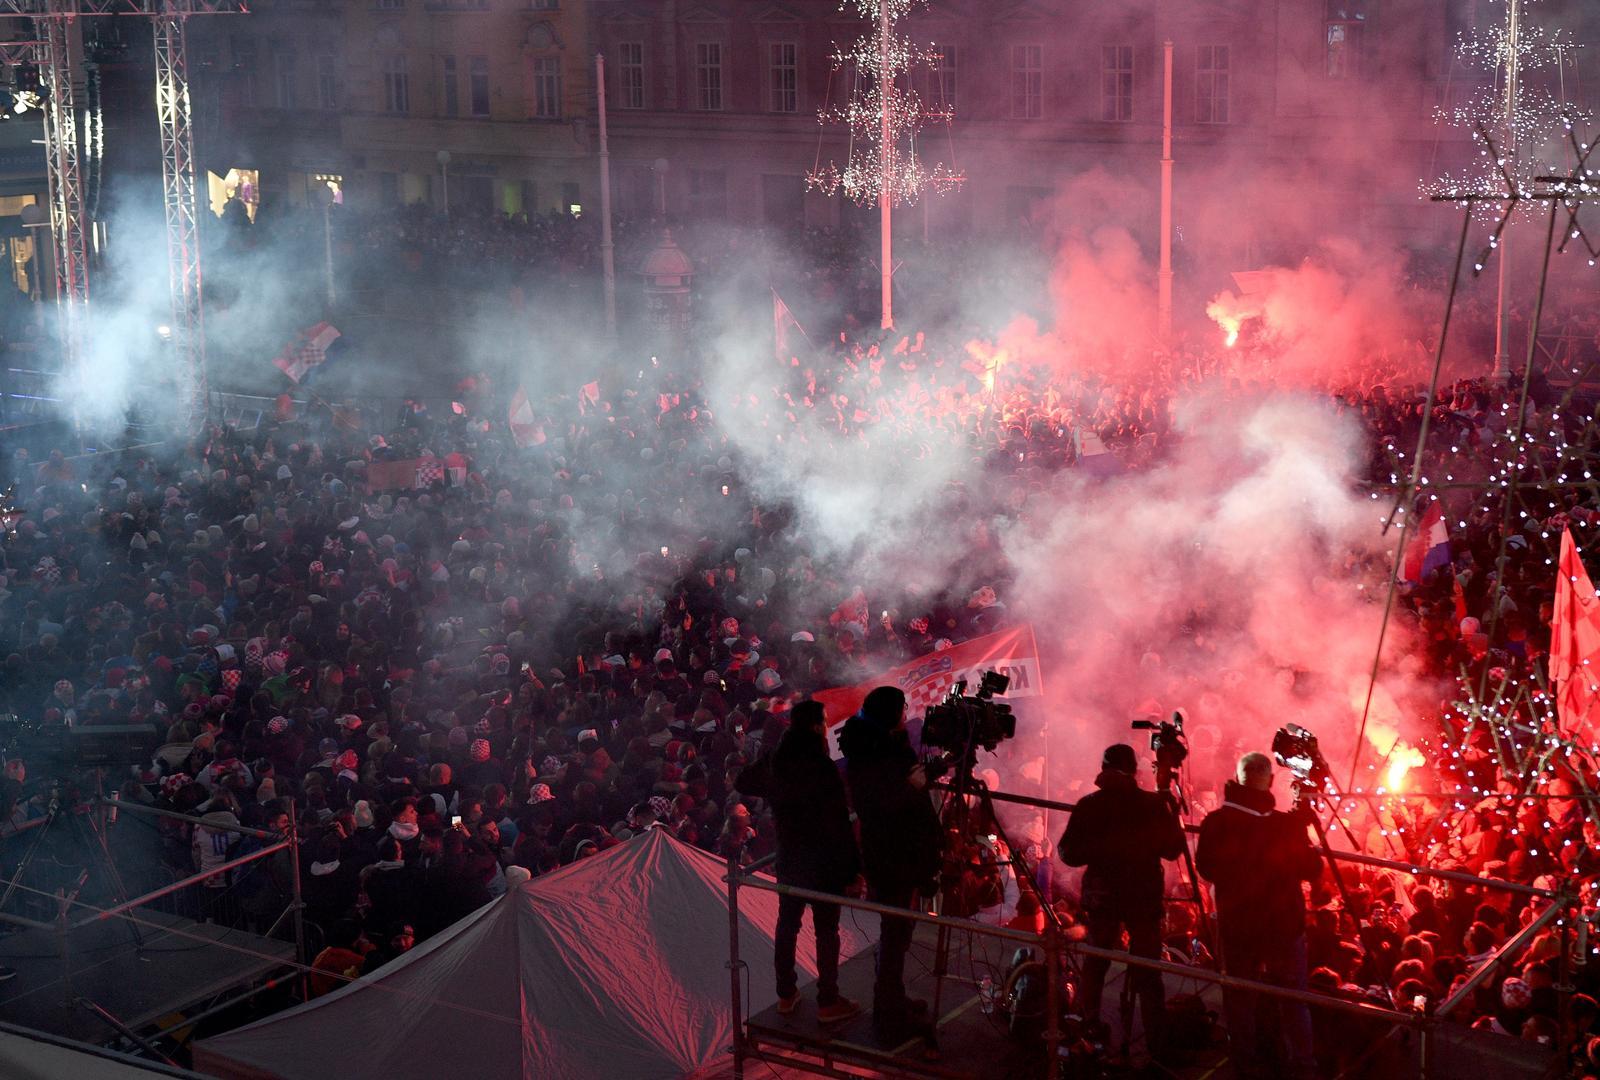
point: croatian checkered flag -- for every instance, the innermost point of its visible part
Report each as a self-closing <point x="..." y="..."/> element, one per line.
<point x="306" y="352"/>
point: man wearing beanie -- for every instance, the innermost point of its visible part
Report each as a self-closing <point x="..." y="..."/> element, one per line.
<point x="1256" y="857"/>
<point x="901" y="843"/>
<point x="1120" y="833"/>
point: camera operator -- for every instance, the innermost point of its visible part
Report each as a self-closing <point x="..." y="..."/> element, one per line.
<point x="1256" y="857"/>
<point x="1121" y="833"/>
<point x="900" y="842"/>
<point x="816" y="850"/>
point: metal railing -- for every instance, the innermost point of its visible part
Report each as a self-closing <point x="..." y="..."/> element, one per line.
<point x="1052" y="944"/>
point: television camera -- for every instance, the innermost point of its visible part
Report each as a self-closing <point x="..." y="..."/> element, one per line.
<point x="961" y="723"/>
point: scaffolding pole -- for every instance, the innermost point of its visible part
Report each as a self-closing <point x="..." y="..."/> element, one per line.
<point x="183" y="221"/>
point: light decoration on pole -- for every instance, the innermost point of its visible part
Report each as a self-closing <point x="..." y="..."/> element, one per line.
<point x="1515" y="126"/>
<point x="883" y="114"/>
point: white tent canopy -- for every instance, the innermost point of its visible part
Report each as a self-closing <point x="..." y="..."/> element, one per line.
<point x="613" y="966"/>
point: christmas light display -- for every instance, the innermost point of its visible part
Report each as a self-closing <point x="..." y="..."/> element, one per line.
<point x="884" y="114"/>
<point x="1516" y="127"/>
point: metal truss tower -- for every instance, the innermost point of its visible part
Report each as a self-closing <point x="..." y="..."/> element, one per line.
<point x="54" y="21"/>
<point x="183" y="221"/>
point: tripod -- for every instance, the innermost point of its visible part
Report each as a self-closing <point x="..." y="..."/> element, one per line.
<point x="90" y="836"/>
<point x="965" y="823"/>
<point x="1306" y="793"/>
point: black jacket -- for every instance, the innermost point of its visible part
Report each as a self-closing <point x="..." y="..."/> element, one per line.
<point x="816" y="845"/>
<point x="1256" y="857"/>
<point x="901" y="838"/>
<point x="1121" y="833"/>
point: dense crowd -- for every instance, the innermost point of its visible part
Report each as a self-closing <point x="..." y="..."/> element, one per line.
<point x="554" y="646"/>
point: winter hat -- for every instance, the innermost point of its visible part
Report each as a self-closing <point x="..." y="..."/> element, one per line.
<point x="479" y="751"/>
<point x="539" y="793"/>
<point x="1515" y="994"/>
<point x="348" y="760"/>
<point x="1120" y="758"/>
<point x="363" y="814"/>
<point x="768" y="681"/>
<point x="350" y="722"/>
<point x="458" y="737"/>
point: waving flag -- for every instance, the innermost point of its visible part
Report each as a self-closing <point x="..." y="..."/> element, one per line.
<point x="526" y="430"/>
<point x="1428" y="549"/>
<point x="1575" y="645"/>
<point x="787" y="333"/>
<point x="927" y="679"/>
<point x="306" y="352"/>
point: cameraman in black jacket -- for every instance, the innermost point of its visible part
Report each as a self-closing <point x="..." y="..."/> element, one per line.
<point x="901" y="840"/>
<point x="1256" y="857"/>
<point x="1121" y="833"/>
<point x="816" y="850"/>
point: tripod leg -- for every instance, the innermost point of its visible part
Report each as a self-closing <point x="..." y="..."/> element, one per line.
<point x="119" y="891"/>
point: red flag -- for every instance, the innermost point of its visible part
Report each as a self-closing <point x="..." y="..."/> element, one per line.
<point x="784" y="328"/>
<point x="588" y="394"/>
<point x="1575" y="645"/>
<point x="526" y="431"/>
<point x="928" y="678"/>
<point x="308" y="350"/>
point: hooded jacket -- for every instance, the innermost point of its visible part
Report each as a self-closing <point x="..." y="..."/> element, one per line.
<point x="816" y="845"/>
<point x="1256" y="857"/>
<point x="901" y="838"/>
<point x="1120" y="833"/>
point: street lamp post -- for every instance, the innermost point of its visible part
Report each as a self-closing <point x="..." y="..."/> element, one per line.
<point x="443" y="158"/>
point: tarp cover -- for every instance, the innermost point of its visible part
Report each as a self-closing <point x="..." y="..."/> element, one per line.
<point x="614" y="966"/>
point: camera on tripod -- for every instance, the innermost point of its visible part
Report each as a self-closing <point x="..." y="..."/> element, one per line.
<point x="1166" y="742"/>
<point x="961" y="722"/>
<point x="1295" y="749"/>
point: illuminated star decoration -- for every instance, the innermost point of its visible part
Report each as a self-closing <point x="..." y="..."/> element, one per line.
<point x="883" y="114"/>
<point x="1516" y="144"/>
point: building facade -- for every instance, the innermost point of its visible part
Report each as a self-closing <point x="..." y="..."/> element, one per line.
<point x="1325" y="102"/>
<point x="470" y="104"/>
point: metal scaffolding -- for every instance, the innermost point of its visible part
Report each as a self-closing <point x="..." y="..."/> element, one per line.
<point x="183" y="223"/>
<point x="55" y="22"/>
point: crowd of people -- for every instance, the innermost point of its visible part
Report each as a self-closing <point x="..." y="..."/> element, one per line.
<point x="591" y="627"/>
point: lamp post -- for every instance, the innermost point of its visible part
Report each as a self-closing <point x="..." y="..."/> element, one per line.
<point x="325" y="197"/>
<point x="608" y="260"/>
<point x="443" y="158"/>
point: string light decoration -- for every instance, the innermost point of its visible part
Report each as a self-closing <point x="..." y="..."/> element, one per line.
<point x="10" y="513"/>
<point x="1514" y="126"/>
<point x="883" y="114"/>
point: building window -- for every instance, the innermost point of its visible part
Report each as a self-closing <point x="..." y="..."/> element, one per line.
<point x="942" y="79"/>
<point x="784" y="75"/>
<point x="630" y="75"/>
<point x="1211" y="84"/>
<point x="396" y="84"/>
<point x="283" y="78"/>
<point x="1027" y="82"/>
<point x="327" y="81"/>
<point x="783" y="200"/>
<point x="708" y="75"/>
<point x="1347" y="20"/>
<point x="1116" y="83"/>
<point x="478" y="85"/>
<point x="449" y="88"/>
<point x="547" y="87"/>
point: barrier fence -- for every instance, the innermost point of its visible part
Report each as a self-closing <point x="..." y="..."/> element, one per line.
<point x="1053" y="945"/>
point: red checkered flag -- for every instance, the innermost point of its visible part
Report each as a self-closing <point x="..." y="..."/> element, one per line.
<point x="1575" y="646"/>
